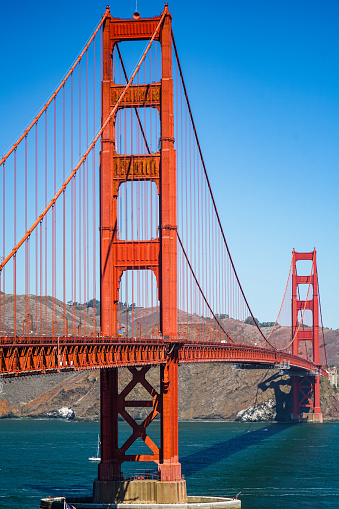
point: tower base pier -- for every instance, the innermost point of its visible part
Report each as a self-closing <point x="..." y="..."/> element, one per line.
<point x="199" y="502"/>
<point x="140" y="491"/>
<point x="307" y="417"/>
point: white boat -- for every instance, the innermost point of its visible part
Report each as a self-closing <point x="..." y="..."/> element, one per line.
<point x="97" y="457"/>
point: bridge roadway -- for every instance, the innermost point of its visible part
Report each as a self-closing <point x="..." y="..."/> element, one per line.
<point x="38" y="355"/>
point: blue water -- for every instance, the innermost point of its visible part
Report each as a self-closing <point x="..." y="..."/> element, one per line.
<point x="272" y="465"/>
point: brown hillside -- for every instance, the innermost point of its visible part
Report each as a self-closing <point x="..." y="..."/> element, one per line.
<point x="207" y="391"/>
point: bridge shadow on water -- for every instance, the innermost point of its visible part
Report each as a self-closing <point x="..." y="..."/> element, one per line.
<point x="210" y="455"/>
<point x="191" y="463"/>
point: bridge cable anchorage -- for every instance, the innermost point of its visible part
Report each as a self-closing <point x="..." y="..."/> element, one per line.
<point x="91" y="146"/>
<point x="53" y="96"/>
<point x="211" y="193"/>
<point x="200" y="289"/>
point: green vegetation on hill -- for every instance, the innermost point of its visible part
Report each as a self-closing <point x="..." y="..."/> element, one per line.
<point x="250" y="321"/>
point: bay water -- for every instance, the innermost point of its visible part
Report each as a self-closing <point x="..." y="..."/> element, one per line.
<point x="271" y="465"/>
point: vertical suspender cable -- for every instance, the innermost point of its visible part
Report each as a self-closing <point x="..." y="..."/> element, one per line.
<point x="3" y="248"/>
<point x="78" y="242"/>
<point x="54" y="225"/>
<point x="86" y="264"/>
<point x="64" y="212"/>
<point x="37" y="231"/>
<point x="26" y="243"/>
<point x="94" y="195"/>
<point x="14" y="261"/>
<point x="72" y="215"/>
<point x="45" y="219"/>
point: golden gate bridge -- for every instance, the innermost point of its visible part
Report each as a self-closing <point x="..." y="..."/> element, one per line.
<point x="106" y="194"/>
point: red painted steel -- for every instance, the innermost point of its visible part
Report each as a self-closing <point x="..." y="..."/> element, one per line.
<point x="43" y="354"/>
<point x="139" y="429"/>
<point x="159" y="255"/>
<point x="39" y="355"/>
<point x="304" y="388"/>
<point x="52" y="98"/>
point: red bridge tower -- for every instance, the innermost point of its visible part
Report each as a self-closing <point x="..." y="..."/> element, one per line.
<point x="158" y="255"/>
<point x="306" y="391"/>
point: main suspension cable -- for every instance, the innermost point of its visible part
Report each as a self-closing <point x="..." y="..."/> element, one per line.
<point x="84" y="157"/>
<point x="211" y="193"/>
<point x="200" y="289"/>
<point x="56" y="91"/>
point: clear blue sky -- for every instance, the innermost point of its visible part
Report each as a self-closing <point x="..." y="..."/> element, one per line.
<point x="263" y="81"/>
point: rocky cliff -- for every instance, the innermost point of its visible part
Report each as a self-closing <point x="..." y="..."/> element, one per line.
<point x="206" y="391"/>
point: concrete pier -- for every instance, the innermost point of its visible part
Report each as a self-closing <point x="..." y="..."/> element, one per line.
<point x="199" y="502"/>
<point x="308" y="417"/>
<point x="143" y="491"/>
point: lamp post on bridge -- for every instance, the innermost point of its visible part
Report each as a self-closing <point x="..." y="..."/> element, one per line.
<point x="156" y="328"/>
<point x="66" y="321"/>
<point x="27" y="316"/>
<point x="54" y="323"/>
<point x="95" y="325"/>
<point x="138" y="330"/>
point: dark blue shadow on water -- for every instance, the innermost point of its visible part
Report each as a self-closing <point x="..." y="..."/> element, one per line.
<point x="217" y="452"/>
<point x="57" y="491"/>
<point x="198" y="460"/>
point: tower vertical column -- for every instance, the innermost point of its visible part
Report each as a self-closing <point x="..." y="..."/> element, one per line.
<point x="169" y="466"/>
<point x="316" y="387"/>
<point x="168" y="210"/>
<point x="107" y="323"/>
<point x="315" y="311"/>
<point x="295" y="344"/>
<point x="109" y="467"/>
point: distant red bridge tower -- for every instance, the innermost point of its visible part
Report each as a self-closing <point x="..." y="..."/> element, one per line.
<point x="304" y="387"/>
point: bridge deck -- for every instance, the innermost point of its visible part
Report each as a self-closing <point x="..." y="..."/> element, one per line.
<point x="38" y="355"/>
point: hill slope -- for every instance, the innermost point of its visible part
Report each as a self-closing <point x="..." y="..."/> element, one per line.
<point x="206" y="391"/>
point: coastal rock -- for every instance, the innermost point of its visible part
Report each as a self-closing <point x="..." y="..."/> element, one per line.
<point x="7" y="409"/>
<point x="63" y="413"/>
<point x="207" y="391"/>
<point x="264" y="412"/>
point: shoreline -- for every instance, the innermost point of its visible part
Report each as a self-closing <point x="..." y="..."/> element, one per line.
<point x="209" y="421"/>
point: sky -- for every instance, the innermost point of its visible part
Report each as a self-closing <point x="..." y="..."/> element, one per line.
<point x="263" y="82"/>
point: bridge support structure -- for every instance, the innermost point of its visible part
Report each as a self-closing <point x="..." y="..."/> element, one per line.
<point x="158" y="255"/>
<point x="306" y="389"/>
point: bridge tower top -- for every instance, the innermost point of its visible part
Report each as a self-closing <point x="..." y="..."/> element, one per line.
<point x="158" y="255"/>
<point x="299" y="306"/>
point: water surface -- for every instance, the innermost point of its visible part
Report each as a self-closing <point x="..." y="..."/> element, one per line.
<point x="272" y="465"/>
